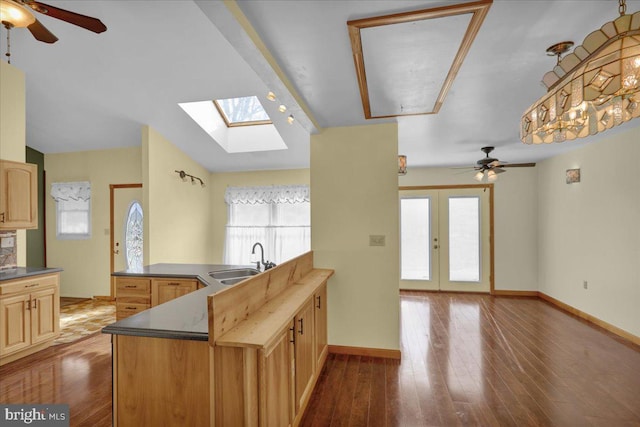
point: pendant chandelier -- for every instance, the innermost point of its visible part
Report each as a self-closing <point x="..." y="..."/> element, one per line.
<point x="592" y="89"/>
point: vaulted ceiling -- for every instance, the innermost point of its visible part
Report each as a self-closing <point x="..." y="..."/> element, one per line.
<point x="94" y="91"/>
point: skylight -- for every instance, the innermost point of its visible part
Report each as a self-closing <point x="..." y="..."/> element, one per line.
<point x="244" y="111"/>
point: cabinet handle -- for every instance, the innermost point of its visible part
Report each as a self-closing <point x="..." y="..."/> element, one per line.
<point x="293" y="335"/>
<point x="1" y="216"/>
<point x="174" y="284"/>
<point x="131" y="286"/>
<point x="318" y="306"/>
<point x="32" y="285"/>
<point x="35" y="303"/>
<point x="301" y="326"/>
<point x="29" y="305"/>
<point x="131" y="308"/>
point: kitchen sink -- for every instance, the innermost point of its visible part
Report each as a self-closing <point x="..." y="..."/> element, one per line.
<point x="234" y="275"/>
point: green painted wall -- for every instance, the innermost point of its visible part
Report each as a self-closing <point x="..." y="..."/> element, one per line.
<point x="35" y="238"/>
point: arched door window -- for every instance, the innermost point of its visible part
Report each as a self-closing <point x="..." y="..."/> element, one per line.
<point x="133" y="236"/>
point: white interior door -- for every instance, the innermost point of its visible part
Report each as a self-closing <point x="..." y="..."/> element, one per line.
<point x="445" y="240"/>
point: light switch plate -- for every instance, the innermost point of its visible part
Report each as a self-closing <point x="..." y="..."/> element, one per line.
<point x="376" y="240"/>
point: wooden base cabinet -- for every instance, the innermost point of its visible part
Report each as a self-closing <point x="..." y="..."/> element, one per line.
<point x="321" y="336"/>
<point x="30" y="313"/>
<point x="305" y="362"/>
<point x="136" y="294"/>
<point x="268" y="352"/>
<point x="133" y="295"/>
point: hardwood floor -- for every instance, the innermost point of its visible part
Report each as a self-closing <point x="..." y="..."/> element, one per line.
<point x="77" y="374"/>
<point x="466" y="360"/>
<point x="480" y="360"/>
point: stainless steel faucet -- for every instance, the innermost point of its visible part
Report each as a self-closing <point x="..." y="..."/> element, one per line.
<point x="268" y="264"/>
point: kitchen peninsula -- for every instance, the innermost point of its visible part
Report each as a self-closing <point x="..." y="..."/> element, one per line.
<point x="248" y="354"/>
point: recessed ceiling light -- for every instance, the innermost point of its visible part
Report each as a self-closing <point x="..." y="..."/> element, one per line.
<point x="282" y="108"/>
<point x="290" y="119"/>
<point x="271" y="96"/>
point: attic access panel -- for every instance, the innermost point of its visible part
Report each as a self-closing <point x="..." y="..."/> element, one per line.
<point x="406" y="62"/>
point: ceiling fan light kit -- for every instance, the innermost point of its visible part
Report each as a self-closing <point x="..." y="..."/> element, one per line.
<point x="592" y="89"/>
<point x="488" y="168"/>
<point x="15" y="15"/>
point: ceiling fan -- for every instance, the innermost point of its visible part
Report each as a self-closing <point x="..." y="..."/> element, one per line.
<point x="19" y="13"/>
<point x="488" y="167"/>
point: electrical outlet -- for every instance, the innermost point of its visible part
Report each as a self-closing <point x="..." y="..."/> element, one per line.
<point x="585" y="284"/>
<point x="376" y="240"/>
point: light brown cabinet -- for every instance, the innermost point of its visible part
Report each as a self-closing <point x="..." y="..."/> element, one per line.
<point x="133" y="295"/>
<point x="163" y="290"/>
<point x="304" y="353"/>
<point x="321" y="336"/>
<point x="136" y="294"/>
<point x="267" y="334"/>
<point x="276" y="409"/>
<point x="30" y="309"/>
<point x="18" y="195"/>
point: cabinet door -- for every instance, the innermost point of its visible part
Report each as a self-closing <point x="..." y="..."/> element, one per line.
<point x="45" y="320"/>
<point x="166" y="290"/>
<point x="321" y="325"/>
<point x="18" y="195"/>
<point x="275" y="383"/>
<point x="15" y="332"/>
<point x="304" y="352"/>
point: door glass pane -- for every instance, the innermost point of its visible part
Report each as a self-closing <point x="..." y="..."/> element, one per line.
<point x="133" y="237"/>
<point x="415" y="238"/>
<point x="464" y="239"/>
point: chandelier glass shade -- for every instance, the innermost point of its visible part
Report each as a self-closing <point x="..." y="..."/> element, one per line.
<point x="594" y="88"/>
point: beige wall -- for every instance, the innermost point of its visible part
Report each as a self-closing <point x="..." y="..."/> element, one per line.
<point x="177" y="223"/>
<point x="86" y="263"/>
<point x="220" y="182"/>
<point x="589" y="230"/>
<point x="12" y="130"/>
<point x="354" y="193"/>
<point x="515" y="220"/>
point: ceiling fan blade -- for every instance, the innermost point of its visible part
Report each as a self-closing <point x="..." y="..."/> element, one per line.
<point x="498" y="170"/>
<point x="87" y="22"/>
<point x="41" y="33"/>
<point x="518" y="165"/>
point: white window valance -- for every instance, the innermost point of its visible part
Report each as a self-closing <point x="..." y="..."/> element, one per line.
<point x="267" y="194"/>
<point x="65" y="191"/>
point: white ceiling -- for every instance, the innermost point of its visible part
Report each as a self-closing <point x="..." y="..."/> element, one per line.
<point x="91" y="91"/>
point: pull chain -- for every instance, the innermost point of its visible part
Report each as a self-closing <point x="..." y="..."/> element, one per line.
<point x="8" y="26"/>
<point x="622" y="7"/>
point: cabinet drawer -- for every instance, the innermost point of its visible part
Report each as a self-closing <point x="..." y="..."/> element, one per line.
<point x="176" y="282"/>
<point x="134" y="299"/>
<point x="128" y="309"/>
<point x="126" y="283"/>
<point x="28" y="284"/>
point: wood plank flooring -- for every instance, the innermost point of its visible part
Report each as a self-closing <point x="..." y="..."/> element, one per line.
<point x="484" y="361"/>
<point x="77" y="374"/>
<point x="466" y="360"/>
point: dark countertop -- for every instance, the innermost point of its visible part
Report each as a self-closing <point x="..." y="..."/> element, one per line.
<point x="182" y="318"/>
<point x="20" y="272"/>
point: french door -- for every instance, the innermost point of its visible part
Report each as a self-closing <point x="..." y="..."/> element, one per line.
<point x="445" y="239"/>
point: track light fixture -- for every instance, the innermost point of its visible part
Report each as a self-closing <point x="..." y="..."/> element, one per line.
<point x="194" y="179"/>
